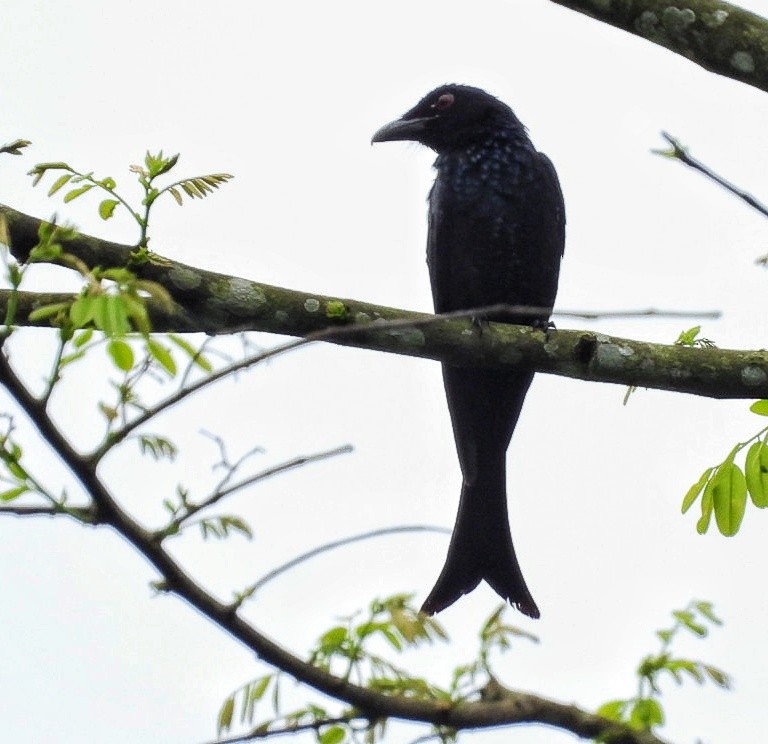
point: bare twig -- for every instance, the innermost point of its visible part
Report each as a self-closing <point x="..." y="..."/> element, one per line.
<point x="681" y="153"/>
<point x="288" y="565"/>
<point x="284" y="467"/>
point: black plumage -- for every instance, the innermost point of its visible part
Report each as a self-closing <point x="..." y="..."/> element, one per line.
<point x="496" y="236"/>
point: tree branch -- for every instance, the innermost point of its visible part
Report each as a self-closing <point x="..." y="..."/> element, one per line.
<point x="718" y="36"/>
<point x="680" y="153"/>
<point x="217" y="303"/>
<point x="522" y="708"/>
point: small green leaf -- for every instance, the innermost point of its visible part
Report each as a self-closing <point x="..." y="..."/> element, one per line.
<point x="729" y="494"/>
<point x="645" y="714"/>
<point x="58" y="183"/>
<point x="707" y="507"/>
<point x="82" y="338"/>
<point x="107" y="208"/>
<point x="688" y="338"/>
<point x="332" y="735"/>
<point x="756" y="472"/>
<point x="13" y="493"/>
<point x="71" y="195"/>
<point x="176" y="195"/>
<point x="224" y="722"/>
<point x="333" y="638"/>
<point x="695" y="490"/>
<point x="760" y="407"/>
<point x="81" y="311"/>
<point x="162" y="355"/>
<point x="48" y="311"/>
<point x="122" y="354"/>
<point x="613" y="710"/>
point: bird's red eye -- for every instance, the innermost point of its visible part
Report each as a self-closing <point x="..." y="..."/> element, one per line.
<point x="444" y="101"/>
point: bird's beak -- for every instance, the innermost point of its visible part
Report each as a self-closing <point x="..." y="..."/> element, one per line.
<point x="402" y="129"/>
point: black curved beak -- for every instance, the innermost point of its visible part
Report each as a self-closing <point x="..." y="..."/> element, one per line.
<point x="402" y="129"/>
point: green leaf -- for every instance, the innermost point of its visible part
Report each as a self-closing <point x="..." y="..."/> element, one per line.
<point x="760" y="407"/>
<point x="707" y="507"/>
<point x="729" y="494"/>
<point x="613" y="710"/>
<point x="13" y="493"/>
<point x="176" y="195"/>
<point x="224" y="721"/>
<point x="48" y="311"/>
<point x="645" y="714"/>
<point x="687" y="620"/>
<point x="332" y="735"/>
<point x="706" y="609"/>
<point x="162" y="355"/>
<point x="122" y="354"/>
<point x="107" y="208"/>
<point x="81" y="311"/>
<point x="110" y="315"/>
<point x="71" y="195"/>
<point x="719" y="677"/>
<point x="332" y="639"/>
<point x="688" y="338"/>
<point x="82" y="338"/>
<point x="695" y="489"/>
<point x="58" y="183"/>
<point x="756" y="472"/>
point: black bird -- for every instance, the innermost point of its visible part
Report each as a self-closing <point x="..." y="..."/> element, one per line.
<point x="496" y="235"/>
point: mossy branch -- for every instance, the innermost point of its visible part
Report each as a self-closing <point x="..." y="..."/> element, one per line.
<point x="217" y="304"/>
<point x="720" y="37"/>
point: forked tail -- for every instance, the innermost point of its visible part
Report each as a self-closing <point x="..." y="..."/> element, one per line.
<point x="481" y="549"/>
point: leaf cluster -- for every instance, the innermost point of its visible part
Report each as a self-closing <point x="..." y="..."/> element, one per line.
<point x="645" y="711"/>
<point x="724" y="488"/>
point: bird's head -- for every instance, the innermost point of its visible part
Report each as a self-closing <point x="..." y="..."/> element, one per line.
<point x="450" y="117"/>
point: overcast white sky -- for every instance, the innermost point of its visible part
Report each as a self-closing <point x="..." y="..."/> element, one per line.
<point x="286" y="97"/>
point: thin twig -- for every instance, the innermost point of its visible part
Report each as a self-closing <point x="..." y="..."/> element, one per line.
<point x="291" y="464"/>
<point x="680" y="153"/>
<point x="290" y="729"/>
<point x="275" y="572"/>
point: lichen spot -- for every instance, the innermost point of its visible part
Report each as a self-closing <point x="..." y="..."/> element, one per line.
<point x="243" y="297"/>
<point x="753" y="375"/>
<point x="743" y="61"/>
<point x="184" y="278"/>
<point x="646" y="23"/>
<point x="408" y="336"/>
<point x="715" y="18"/>
<point x="361" y="317"/>
<point x="281" y="316"/>
<point x="612" y="356"/>
<point x="676" y="20"/>
<point x="311" y="305"/>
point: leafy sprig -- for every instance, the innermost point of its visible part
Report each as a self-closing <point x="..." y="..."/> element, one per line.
<point x="724" y="488"/>
<point x="644" y="711"/>
<point x="155" y="165"/>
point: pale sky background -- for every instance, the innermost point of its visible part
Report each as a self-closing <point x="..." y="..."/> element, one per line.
<point x="286" y="96"/>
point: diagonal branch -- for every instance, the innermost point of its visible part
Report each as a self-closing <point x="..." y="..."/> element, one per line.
<point x="719" y="36"/>
<point x="521" y="708"/>
<point x="681" y="153"/>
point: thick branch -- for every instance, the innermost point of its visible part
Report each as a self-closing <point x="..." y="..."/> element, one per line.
<point x="720" y="37"/>
<point x="217" y="303"/>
